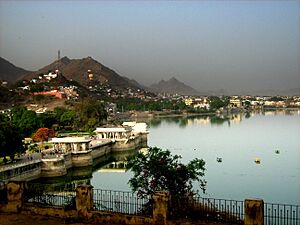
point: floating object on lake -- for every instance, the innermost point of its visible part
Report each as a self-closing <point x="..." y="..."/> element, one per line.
<point x="257" y="160"/>
<point x="277" y="151"/>
<point x="219" y="159"/>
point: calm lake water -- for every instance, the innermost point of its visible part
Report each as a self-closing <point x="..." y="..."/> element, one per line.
<point x="238" y="141"/>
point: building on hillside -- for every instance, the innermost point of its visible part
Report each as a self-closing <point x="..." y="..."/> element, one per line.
<point x="52" y="93"/>
<point x="188" y="101"/>
<point x="50" y="76"/>
<point x="235" y="102"/>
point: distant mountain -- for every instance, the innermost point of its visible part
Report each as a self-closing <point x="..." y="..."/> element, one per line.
<point x="10" y="72"/>
<point x="77" y="70"/>
<point x="135" y="83"/>
<point x="173" y="86"/>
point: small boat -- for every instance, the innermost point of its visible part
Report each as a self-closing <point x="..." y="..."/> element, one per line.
<point x="257" y="160"/>
<point x="277" y="151"/>
<point x="219" y="159"/>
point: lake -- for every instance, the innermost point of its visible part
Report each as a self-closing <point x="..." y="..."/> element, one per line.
<point x="273" y="137"/>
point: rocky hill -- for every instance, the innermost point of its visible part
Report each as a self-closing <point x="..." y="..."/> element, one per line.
<point x="9" y="72"/>
<point x="77" y="70"/>
<point x="173" y="86"/>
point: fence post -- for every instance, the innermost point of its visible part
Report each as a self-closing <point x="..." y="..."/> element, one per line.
<point x="160" y="207"/>
<point x="15" y="191"/>
<point x="254" y="212"/>
<point x="84" y="201"/>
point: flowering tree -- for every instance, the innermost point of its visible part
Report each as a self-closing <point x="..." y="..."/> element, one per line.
<point x="42" y="134"/>
<point x="158" y="170"/>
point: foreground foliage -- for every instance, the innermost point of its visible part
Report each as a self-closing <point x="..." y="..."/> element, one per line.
<point x="158" y="170"/>
<point x="10" y="139"/>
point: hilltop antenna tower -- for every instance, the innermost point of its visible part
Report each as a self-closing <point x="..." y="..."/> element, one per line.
<point x="57" y="63"/>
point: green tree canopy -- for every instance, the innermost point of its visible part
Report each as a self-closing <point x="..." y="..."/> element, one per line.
<point x="216" y="102"/>
<point x="10" y="138"/>
<point x="67" y="118"/>
<point x="25" y="120"/>
<point x="158" y="170"/>
<point x="90" y="113"/>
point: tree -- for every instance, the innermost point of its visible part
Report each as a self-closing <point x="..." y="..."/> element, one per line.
<point x="47" y="119"/>
<point x="216" y="102"/>
<point x="10" y="138"/>
<point x="42" y="134"/>
<point x="25" y="120"/>
<point x="68" y="117"/>
<point x="90" y="112"/>
<point x="158" y="170"/>
<point x="29" y="123"/>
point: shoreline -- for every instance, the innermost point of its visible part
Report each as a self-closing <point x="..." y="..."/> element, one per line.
<point x="158" y="114"/>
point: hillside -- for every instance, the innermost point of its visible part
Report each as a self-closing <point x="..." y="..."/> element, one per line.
<point x="9" y="72"/>
<point x="173" y="86"/>
<point x="77" y="70"/>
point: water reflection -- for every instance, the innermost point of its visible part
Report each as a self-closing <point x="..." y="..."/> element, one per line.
<point x="83" y="175"/>
<point x="238" y="139"/>
<point x="236" y="118"/>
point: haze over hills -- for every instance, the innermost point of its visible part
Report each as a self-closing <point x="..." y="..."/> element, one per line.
<point x="77" y="70"/>
<point x="10" y="72"/>
<point x="173" y="86"/>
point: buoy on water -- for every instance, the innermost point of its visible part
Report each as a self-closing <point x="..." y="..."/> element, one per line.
<point x="257" y="160"/>
<point x="219" y="159"/>
<point x="277" y="151"/>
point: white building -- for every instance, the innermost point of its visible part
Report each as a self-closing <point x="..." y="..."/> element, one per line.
<point x="71" y="144"/>
<point x="113" y="133"/>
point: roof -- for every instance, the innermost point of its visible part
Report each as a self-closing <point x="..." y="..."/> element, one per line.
<point x="70" y="140"/>
<point x="111" y="129"/>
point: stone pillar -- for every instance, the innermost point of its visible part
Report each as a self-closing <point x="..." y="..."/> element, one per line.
<point x="15" y="190"/>
<point x="254" y="212"/>
<point x="160" y="208"/>
<point x="84" y="201"/>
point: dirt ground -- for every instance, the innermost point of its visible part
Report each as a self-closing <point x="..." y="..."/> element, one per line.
<point x="24" y="219"/>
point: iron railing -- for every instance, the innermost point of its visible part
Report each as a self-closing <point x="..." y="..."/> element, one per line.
<point x="122" y="202"/>
<point x="222" y="210"/>
<point x="60" y="197"/>
<point x="281" y="214"/>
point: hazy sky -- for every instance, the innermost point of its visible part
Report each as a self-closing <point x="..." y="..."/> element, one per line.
<point x="234" y="45"/>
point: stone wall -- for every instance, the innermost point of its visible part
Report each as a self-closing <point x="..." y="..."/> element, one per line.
<point x="53" y="167"/>
<point x="15" y="191"/>
<point x="129" y="144"/>
<point x="58" y="166"/>
<point x="84" y="208"/>
<point x="253" y="211"/>
<point x="82" y="159"/>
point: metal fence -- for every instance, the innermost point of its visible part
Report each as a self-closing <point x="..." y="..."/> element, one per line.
<point x="222" y="210"/>
<point x="281" y="214"/>
<point x="61" y="197"/>
<point x="122" y="202"/>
